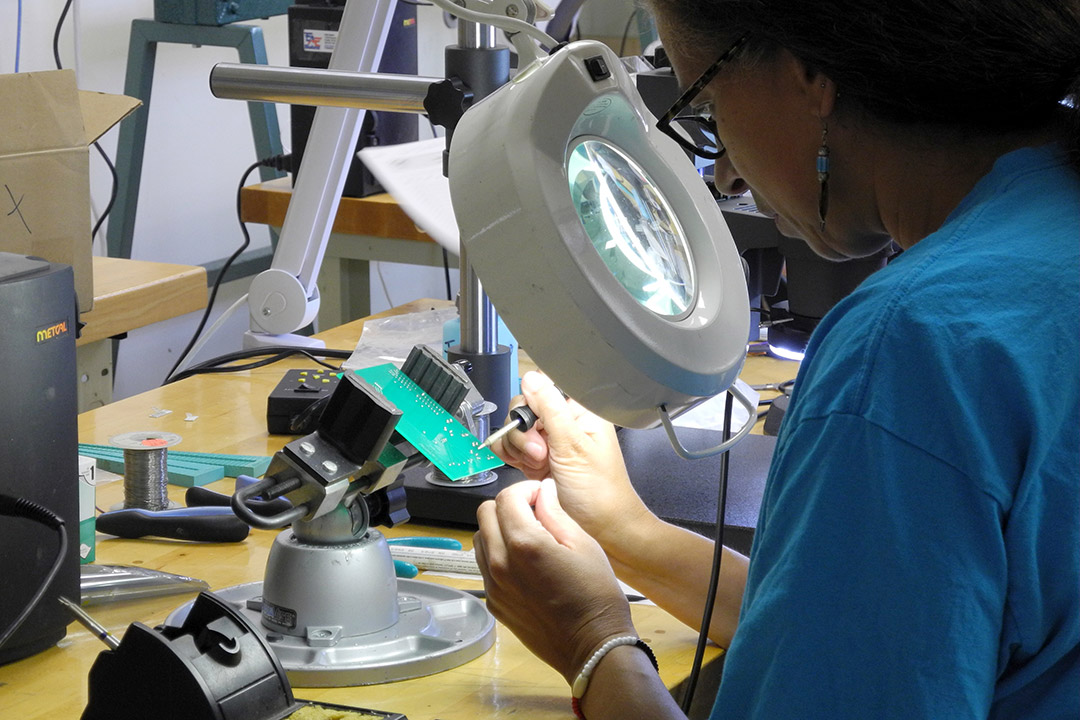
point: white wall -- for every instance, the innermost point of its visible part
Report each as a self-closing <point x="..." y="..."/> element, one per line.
<point x="196" y="149"/>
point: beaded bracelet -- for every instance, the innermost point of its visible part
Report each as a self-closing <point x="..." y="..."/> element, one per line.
<point x="581" y="682"/>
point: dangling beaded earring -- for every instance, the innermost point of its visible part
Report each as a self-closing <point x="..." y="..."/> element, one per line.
<point x="823" y="173"/>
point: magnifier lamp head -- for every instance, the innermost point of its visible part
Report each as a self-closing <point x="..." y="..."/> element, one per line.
<point x="597" y="241"/>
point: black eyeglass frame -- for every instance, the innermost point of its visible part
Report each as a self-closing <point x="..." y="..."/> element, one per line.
<point x="664" y="123"/>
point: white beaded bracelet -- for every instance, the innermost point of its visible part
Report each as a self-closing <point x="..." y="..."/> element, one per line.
<point x="581" y="682"/>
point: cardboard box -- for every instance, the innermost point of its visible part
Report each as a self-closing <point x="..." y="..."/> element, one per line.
<point x="46" y="128"/>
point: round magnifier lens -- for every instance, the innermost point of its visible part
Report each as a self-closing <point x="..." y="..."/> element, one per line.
<point x="632" y="226"/>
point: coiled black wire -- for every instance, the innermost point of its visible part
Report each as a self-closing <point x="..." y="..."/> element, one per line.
<point x="21" y="507"/>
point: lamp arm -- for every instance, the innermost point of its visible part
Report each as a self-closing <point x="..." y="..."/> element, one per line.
<point x="285" y="298"/>
<point x="682" y="452"/>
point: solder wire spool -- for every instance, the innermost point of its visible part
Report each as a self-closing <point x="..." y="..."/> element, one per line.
<point x="145" y="469"/>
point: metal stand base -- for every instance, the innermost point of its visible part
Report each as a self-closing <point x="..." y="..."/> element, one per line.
<point x="438" y="628"/>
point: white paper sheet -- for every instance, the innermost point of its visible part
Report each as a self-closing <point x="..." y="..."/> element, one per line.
<point x="412" y="174"/>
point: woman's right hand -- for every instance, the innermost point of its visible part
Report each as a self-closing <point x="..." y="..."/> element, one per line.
<point x="580" y="452"/>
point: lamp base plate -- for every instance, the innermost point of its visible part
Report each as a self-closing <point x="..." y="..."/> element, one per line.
<point x="438" y="628"/>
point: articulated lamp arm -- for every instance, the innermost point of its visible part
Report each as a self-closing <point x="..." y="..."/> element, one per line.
<point x="285" y="298"/>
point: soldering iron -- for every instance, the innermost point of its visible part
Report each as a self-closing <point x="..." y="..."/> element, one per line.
<point x="521" y="418"/>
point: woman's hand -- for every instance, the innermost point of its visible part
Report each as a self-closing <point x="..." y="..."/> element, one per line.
<point x="546" y="579"/>
<point x="581" y="453"/>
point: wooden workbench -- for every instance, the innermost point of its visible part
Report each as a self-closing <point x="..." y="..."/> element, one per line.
<point x="507" y="681"/>
<point x="129" y="294"/>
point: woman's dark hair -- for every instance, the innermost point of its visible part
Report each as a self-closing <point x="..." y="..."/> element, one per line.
<point x="980" y="65"/>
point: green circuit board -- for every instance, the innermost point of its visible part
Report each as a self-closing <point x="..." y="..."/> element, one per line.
<point x="434" y="432"/>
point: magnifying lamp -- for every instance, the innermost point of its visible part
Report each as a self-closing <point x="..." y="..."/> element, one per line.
<point x="591" y="233"/>
<point x="598" y="242"/>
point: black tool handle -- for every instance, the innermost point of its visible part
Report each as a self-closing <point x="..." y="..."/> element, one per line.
<point x="205" y="524"/>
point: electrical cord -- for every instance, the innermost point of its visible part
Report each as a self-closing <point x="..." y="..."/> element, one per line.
<point x="382" y="281"/>
<point x="446" y="273"/>
<point x="714" y="576"/>
<point x="112" y="195"/>
<point x="97" y="146"/>
<point x="276" y="353"/>
<point x="278" y="162"/>
<point x="784" y="388"/>
<point x="626" y="32"/>
<point x="56" y="34"/>
<point x="21" y="507"/>
<point x="18" y="34"/>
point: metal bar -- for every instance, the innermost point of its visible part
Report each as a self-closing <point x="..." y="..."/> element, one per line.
<point x="316" y="194"/>
<point x="138" y="83"/>
<point x="479" y="323"/>
<point x="321" y="88"/>
<point x="475" y="35"/>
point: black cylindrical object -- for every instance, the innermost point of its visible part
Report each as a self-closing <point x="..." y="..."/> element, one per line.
<point x="490" y="374"/>
<point x="38" y="444"/>
<point x="484" y="70"/>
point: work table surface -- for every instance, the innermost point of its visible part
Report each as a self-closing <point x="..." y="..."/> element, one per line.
<point x="226" y="414"/>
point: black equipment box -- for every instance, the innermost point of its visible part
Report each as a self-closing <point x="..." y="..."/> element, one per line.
<point x="313" y="34"/>
<point x="216" y="12"/>
<point x="39" y="441"/>
<point x="291" y="408"/>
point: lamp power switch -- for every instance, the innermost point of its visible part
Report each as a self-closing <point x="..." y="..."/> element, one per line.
<point x="597" y="68"/>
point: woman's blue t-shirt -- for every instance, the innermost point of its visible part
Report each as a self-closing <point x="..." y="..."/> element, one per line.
<point x="918" y="549"/>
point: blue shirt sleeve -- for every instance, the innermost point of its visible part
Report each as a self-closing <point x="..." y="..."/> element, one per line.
<point x="876" y="586"/>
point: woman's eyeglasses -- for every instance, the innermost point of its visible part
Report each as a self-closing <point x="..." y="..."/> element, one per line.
<point x="696" y="131"/>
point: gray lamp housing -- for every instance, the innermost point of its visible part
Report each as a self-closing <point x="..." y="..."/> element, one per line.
<point x="526" y="242"/>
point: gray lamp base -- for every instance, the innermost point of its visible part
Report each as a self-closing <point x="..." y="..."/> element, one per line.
<point x="438" y="628"/>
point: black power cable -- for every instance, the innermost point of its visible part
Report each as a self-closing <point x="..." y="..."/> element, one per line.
<point x="446" y="273"/>
<point x="97" y="146"/>
<point x="278" y="162"/>
<point x="276" y="353"/>
<point x="626" y="32"/>
<point x="21" y="507"/>
<point x="714" y="578"/>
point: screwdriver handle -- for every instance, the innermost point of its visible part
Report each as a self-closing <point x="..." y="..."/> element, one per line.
<point x="208" y="524"/>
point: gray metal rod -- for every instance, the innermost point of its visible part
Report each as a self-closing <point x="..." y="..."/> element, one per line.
<point x="329" y="88"/>
<point x="479" y="322"/>
<point x="475" y="35"/>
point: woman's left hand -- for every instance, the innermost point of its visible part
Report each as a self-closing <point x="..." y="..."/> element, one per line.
<point x="546" y="579"/>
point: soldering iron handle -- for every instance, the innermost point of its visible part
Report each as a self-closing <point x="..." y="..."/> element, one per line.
<point x="524" y="416"/>
<point x="242" y="497"/>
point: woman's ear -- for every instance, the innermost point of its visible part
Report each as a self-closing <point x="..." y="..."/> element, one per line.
<point x="817" y="88"/>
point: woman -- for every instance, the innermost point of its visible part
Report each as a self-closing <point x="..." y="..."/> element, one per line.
<point x="918" y="550"/>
